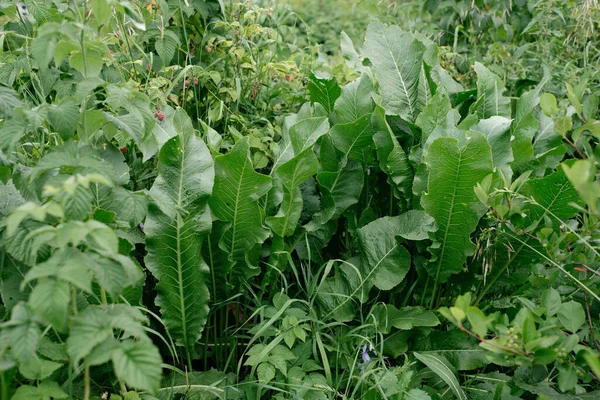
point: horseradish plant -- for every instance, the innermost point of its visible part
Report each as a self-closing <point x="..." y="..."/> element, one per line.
<point x="316" y="274"/>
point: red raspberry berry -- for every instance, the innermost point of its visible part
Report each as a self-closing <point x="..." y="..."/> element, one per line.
<point x="195" y="81"/>
<point x="287" y="77"/>
<point x="87" y="13"/>
<point x="160" y="116"/>
<point x="110" y="51"/>
<point x="123" y="150"/>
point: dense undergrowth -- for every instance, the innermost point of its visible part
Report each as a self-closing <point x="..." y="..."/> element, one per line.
<point x="207" y="199"/>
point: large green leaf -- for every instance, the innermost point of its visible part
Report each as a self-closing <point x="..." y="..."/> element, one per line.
<point x="460" y="349"/>
<point x="439" y="365"/>
<point x="302" y="135"/>
<point x="139" y="364"/>
<point x="454" y="169"/>
<point x="405" y="318"/>
<point x="44" y="391"/>
<point x="292" y="174"/>
<point x="88" y="329"/>
<point x="353" y="139"/>
<point x="64" y="117"/>
<point x="490" y="98"/>
<point x="496" y="129"/>
<point x="392" y="157"/>
<point x="324" y="91"/>
<point x="397" y="58"/>
<point x="339" y="190"/>
<point x="384" y="261"/>
<point x="9" y="100"/>
<point x="235" y="201"/>
<point x="50" y="301"/>
<point x="177" y="222"/>
<point x="355" y="100"/>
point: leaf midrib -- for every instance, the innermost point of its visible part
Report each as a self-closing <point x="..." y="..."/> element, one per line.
<point x="401" y="78"/>
<point x="178" y="231"/>
<point x="441" y="257"/>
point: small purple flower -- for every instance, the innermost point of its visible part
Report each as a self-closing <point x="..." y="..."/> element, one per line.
<point x="141" y="227"/>
<point x="365" y="354"/>
<point x="366" y="357"/>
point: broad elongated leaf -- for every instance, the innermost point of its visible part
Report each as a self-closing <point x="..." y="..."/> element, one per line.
<point x="490" y="98"/>
<point x="355" y="100"/>
<point x="353" y="138"/>
<point x="454" y="170"/>
<point x="405" y="318"/>
<point x="397" y="57"/>
<point x="292" y="174"/>
<point x="460" y="349"/>
<point x="302" y="135"/>
<point x="235" y="202"/>
<point x="324" y="91"/>
<point x="392" y="157"/>
<point x="384" y="261"/>
<point x="440" y="366"/>
<point x="524" y="128"/>
<point x="336" y="295"/>
<point x="497" y="131"/>
<point x="178" y="220"/>
<point x="339" y="190"/>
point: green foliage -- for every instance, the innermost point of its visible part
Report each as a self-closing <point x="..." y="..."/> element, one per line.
<point x="193" y="204"/>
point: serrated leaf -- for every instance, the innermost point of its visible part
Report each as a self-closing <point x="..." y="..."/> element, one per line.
<point x="292" y="174"/>
<point x="324" y="91"/>
<point x="397" y="58"/>
<point x="439" y="366"/>
<point x="490" y="98"/>
<point x="9" y="100"/>
<point x="384" y="261"/>
<point x="50" y="300"/>
<point x="88" y="66"/>
<point x="88" y="329"/>
<point x="235" y="201"/>
<point x="64" y="117"/>
<point x="405" y="318"/>
<point x="139" y="364"/>
<point x="129" y="206"/>
<point x="354" y="139"/>
<point x="44" y="391"/>
<point x="177" y="223"/>
<point x="392" y="157"/>
<point x="496" y="130"/>
<point x="355" y="100"/>
<point x="302" y="135"/>
<point x="23" y="334"/>
<point x="265" y="372"/>
<point x="166" y="46"/>
<point x="454" y="170"/>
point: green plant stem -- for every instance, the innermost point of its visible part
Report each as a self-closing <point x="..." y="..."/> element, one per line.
<point x="103" y="296"/>
<point x="4" y="386"/>
<point x="86" y="380"/>
<point x="123" y="387"/>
